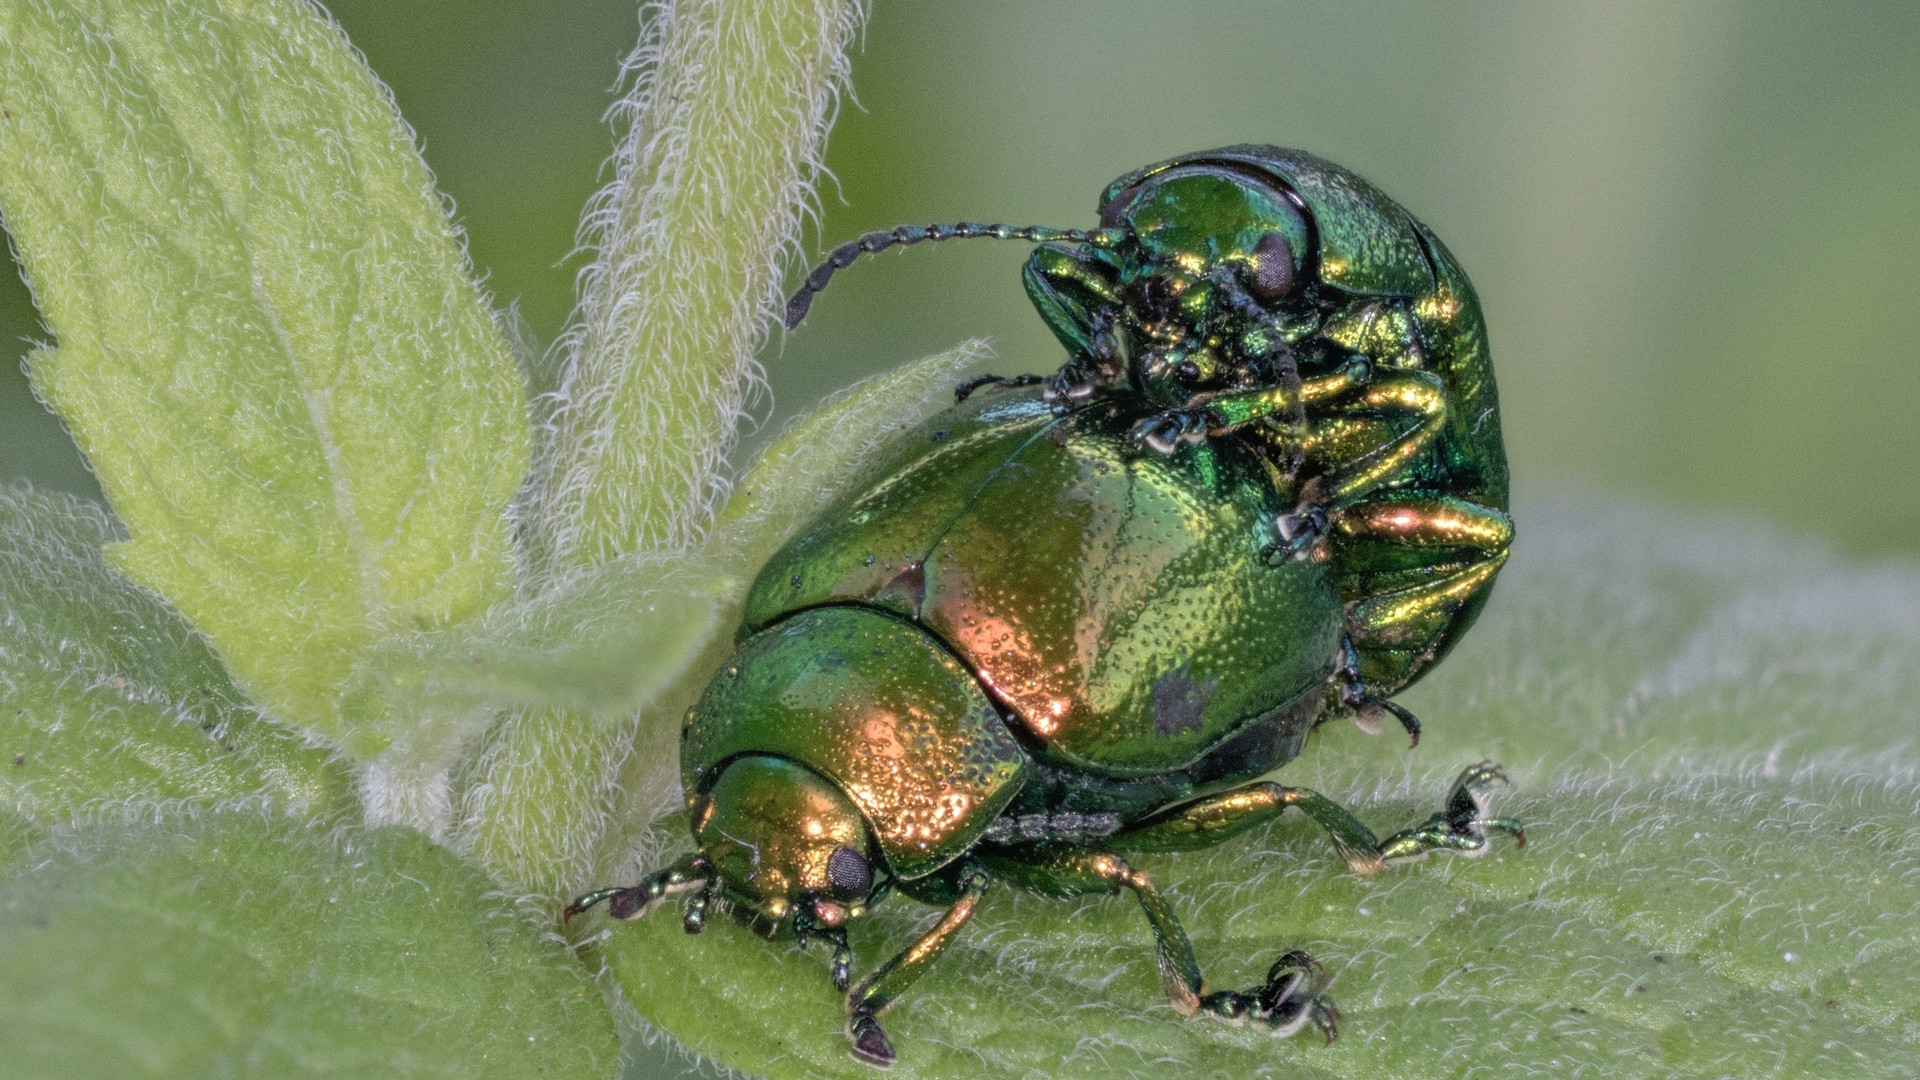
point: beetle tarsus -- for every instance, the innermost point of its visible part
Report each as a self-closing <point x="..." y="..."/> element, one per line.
<point x="965" y="390"/>
<point x="1168" y="431"/>
<point x="1463" y="826"/>
<point x="1075" y="382"/>
<point x="1289" y="1000"/>
<point x="1300" y="532"/>
<point x="588" y="902"/>
<point x="869" y="1043"/>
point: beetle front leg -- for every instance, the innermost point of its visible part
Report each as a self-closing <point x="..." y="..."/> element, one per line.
<point x="878" y="991"/>
<point x="689" y="874"/>
<point x="1076" y="293"/>
<point x="1364" y="440"/>
<point x="1288" y="999"/>
<point x="1281" y="407"/>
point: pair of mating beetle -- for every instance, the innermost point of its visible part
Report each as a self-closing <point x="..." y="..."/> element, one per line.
<point x="1060" y="623"/>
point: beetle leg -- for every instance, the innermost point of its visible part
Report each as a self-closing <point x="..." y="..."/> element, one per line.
<point x="965" y="390"/>
<point x="1289" y="999"/>
<point x="1364" y="440"/>
<point x="1462" y="826"/>
<point x="1413" y="569"/>
<point x="1205" y="822"/>
<point x="878" y="991"/>
<point x="1369" y="711"/>
<point x="1076" y="292"/>
<point x="689" y="873"/>
<point x="1213" y="414"/>
<point x="1284" y="1003"/>
<point x="1359" y="469"/>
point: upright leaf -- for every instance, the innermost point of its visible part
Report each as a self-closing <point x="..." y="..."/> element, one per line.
<point x="109" y="702"/>
<point x="270" y="346"/>
<point x="724" y="129"/>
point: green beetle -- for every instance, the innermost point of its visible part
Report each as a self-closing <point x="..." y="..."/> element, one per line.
<point x="1032" y="638"/>
<point x="1269" y="295"/>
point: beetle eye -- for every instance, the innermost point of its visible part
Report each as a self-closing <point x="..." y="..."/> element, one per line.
<point x="1272" y="267"/>
<point x="849" y="874"/>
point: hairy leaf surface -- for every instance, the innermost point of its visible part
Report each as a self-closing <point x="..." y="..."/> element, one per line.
<point x="269" y="344"/>
<point x="109" y="700"/>
<point x="241" y="945"/>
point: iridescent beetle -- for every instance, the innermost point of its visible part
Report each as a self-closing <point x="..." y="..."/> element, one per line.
<point x="1050" y="626"/>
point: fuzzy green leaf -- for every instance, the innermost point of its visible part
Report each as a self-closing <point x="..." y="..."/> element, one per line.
<point x="605" y="642"/>
<point x="723" y="127"/>
<point x="108" y="698"/>
<point x="713" y="175"/>
<point x="270" y="347"/>
<point x="1710" y="731"/>
<point x="240" y="945"/>
<point x="17" y="835"/>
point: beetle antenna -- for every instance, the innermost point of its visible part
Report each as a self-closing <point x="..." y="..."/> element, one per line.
<point x="903" y="235"/>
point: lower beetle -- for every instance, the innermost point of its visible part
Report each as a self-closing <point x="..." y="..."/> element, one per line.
<point x="1017" y="649"/>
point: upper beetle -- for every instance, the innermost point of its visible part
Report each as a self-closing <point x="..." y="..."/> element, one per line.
<point x="1271" y="295"/>
<point x="1051" y="626"/>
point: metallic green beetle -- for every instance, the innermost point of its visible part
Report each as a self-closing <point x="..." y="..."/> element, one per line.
<point x="1049" y="627"/>
<point x="1273" y="296"/>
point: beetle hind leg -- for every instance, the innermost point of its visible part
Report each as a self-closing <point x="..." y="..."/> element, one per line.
<point x="1462" y="826"/>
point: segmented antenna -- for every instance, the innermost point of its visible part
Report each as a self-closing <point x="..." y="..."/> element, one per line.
<point x="844" y="255"/>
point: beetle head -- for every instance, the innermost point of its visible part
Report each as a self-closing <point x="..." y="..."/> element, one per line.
<point x="787" y="845"/>
<point x="1216" y="268"/>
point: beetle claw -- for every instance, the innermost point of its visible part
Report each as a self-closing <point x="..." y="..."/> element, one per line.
<point x="870" y="1043"/>
<point x="965" y="390"/>
<point x="1289" y="1000"/>
<point x="1075" y="382"/>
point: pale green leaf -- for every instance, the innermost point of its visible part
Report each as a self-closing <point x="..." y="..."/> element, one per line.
<point x="240" y="945"/>
<point x="17" y="834"/>
<point x="1711" y="733"/>
<point x="724" y="128"/>
<point x="107" y="697"/>
<point x="588" y="654"/>
<point x="269" y="345"/>
<point x="605" y="642"/>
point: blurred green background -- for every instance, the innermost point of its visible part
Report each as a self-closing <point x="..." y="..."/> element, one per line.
<point x="1695" y="227"/>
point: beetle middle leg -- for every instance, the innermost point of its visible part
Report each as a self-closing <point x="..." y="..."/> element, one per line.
<point x="1288" y="1000"/>
<point x="1461" y="826"/>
